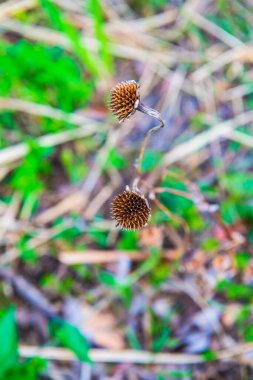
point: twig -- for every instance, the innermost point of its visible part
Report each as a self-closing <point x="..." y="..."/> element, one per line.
<point x="134" y="356"/>
<point x="28" y="292"/>
<point x="97" y="202"/>
<point x="103" y="257"/>
<point x="171" y="190"/>
<point x="18" y="151"/>
<point x="45" y="111"/>
<point x="218" y="62"/>
<point x="9" y="8"/>
<point x="242" y="138"/>
<point x="147" y="23"/>
<point x="143" y="146"/>
<point x="75" y="201"/>
<point x="212" y="28"/>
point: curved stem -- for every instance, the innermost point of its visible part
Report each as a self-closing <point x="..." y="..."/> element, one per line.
<point x="153" y="113"/>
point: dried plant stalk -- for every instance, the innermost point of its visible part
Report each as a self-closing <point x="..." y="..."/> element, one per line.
<point x="124" y="102"/>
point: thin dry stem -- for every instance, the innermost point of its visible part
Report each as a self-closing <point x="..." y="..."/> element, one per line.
<point x="180" y="193"/>
<point x="153" y="113"/>
<point x="174" y="217"/>
<point x="237" y="352"/>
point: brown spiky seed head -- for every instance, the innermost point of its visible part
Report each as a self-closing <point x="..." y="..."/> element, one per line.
<point x="130" y="210"/>
<point x="125" y="98"/>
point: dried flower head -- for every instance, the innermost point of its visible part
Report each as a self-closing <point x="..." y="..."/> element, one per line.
<point x="125" y="98"/>
<point x="130" y="210"/>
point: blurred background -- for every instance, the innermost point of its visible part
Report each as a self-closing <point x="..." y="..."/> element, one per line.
<point x="79" y="298"/>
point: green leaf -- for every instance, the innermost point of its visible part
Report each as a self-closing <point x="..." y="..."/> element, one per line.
<point x="61" y="22"/>
<point x="242" y="259"/>
<point x="229" y="212"/>
<point x="108" y="279"/>
<point x="99" y="236"/>
<point x="238" y="183"/>
<point x="128" y="241"/>
<point x="27" y="177"/>
<point x="235" y="291"/>
<point x="9" y="340"/>
<point x="248" y="333"/>
<point x="150" y="160"/>
<point x="133" y="338"/>
<point x="70" y="337"/>
<point x="115" y="159"/>
<point x="209" y="355"/>
<point x="28" y="369"/>
<point x="95" y="9"/>
<point x="210" y="244"/>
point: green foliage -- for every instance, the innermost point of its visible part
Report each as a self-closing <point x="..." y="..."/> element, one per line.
<point x="235" y="291"/>
<point x="10" y="367"/>
<point x="175" y="374"/>
<point x="68" y="230"/>
<point x="239" y="184"/>
<point x="70" y="337"/>
<point x="248" y="333"/>
<point x="210" y="244"/>
<point x="232" y="22"/>
<point x="242" y="260"/>
<point x="198" y="122"/>
<point x="9" y="339"/>
<point x="95" y="10"/>
<point x="59" y="20"/>
<point x="26" y="253"/>
<point x="146" y="267"/>
<point x="179" y="205"/>
<point x="128" y="240"/>
<point x="244" y="322"/>
<point x="238" y="204"/>
<point x="151" y="159"/>
<point x="133" y="339"/>
<point x="115" y="159"/>
<point x="209" y="355"/>
<point x="149" y="6"/>
<point x="98" y="236"/>
<point x="74" y="165"/>
<point x="121" y="289"/>
<point x="61" y="286"/>
<point x="28" y="370"/>
<point x="27" y="179"/>
<point x="161" y="332"/>
<point x="160" y="274"/>
<point x="42" y="74"/>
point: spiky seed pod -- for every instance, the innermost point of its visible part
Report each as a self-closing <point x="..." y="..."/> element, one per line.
<point x="125" y="98"/>
<point x="130" y="210"/>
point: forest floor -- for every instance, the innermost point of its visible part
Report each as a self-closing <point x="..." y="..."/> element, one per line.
<point x="80" y="298"/>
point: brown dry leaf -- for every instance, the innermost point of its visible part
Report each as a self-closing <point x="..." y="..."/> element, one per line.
<point x="151" y="236"/>
<point x="98" y="326"/>
<point x="102" y="328"/>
